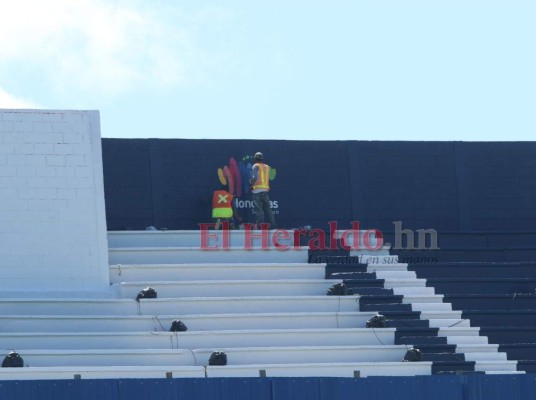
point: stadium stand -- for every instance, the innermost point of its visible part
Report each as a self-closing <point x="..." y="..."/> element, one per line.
<point x="270" y="316"/>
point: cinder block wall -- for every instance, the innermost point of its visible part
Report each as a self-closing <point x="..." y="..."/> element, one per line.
<point x="52" y="218"/>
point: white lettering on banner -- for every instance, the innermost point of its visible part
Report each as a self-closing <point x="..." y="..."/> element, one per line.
<point x="248" y="204"/>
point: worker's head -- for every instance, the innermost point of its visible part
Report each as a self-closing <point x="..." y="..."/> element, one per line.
<point x="258" y="156"/>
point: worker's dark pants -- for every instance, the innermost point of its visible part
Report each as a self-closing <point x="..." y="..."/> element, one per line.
<point x="263" y="213"/>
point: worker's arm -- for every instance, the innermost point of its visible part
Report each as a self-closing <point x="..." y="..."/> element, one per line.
<point x="254" y="174"/>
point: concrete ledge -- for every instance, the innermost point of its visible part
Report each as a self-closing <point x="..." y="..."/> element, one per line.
<point x="88" y="340"/>
<point x="505" y="372"/>
<point x="401" y="282"/>
<point x="46" y="306"/>
<point x="219" y="271"/>
<point x="485" y="356"/>
<point x="387" y="267"/>
<point x="186" y="305"/>
<point x="332" y="369"/>
<point x="467" y="340"/>
<point x="236" y="238"/>
<point x="415" y="291"/>
<point x="389" y="274"/>
<point x="441" y="315"/>
<point x="41" y="373"/>
<point x="193" y="255"/>
<point x="108" y="357"/>
<point x="411" y="298"/>
<point x="283" y="287"/>
<point x="496" y="366"/>
<point x="447" y="322"/>
<point x="202" y="339"/>
<point x="459" y="331"/>
<point x="192" y="238"/>
<point x="477" y="348"/>
<point x="431" y="307"/>
<point x="204" y="322"/>
<point x="317" y="354"/>
<point x="200" y="357"/>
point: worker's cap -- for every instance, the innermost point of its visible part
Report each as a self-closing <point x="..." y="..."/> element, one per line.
<point x="258" y="156"/>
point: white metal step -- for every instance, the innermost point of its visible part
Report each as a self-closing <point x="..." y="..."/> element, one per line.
<point x="316" y="354"/>
<point x="328" y="370"/>
<point x="446" y="323"/>
<point x="431" y="307"/>
<point x="213" y="288"/>
<point x="499" y="372"/>
<point x="194" y="238"/>
<point x="192" y="255"/>
<point x="107" y="357"/>
<point x="458" y="331"/>
<point x="392" y="283"/>
<point x="201" y="322"/>
<point x="441" y="315"/>
<point x="88" y="340"/>
<point x="202" y="339"/>
<point x="187" y="305"/>
<point x="485" y="356"/>
<point x="395" y="274"/>
<point x="467" y="340"/>
<point x="496" y="366"/>
<point x="477" y="348"/>
<point x="235" y="356"/>
<point x="387" y="267"/>
<point x="414" y="298"/>
<point x="130" y="372"/>
<point x="231" y="271"/>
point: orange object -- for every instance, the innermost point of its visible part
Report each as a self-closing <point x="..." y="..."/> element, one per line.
<point x="222" y="204"/>
<point x="263" y="181"/>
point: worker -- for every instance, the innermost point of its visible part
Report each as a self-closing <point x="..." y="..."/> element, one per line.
<point x="260" y="188"/>
<point x="223" y="207"/>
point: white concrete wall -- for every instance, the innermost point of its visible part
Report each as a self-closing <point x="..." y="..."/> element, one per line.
<point x="52" y="218"/>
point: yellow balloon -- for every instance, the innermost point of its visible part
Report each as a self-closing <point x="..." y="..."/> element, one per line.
<point x="223" y="181"/>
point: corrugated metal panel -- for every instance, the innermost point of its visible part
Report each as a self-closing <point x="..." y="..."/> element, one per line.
<point x="467" y="387"/>
<point x="396" y="388"/>
<point x="296" y="388"/>
<point x="223" y="389"/>
<point x="59" y="390"/>
<point x="134" y="389"/>
<point x="501" y="387"/>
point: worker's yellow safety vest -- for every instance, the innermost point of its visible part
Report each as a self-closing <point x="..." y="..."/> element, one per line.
<point x="263" y="181"/>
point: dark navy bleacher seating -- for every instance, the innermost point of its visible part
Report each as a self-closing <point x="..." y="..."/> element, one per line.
<point x="499" y="297"/>
<point x="410" y="329"/>
<point x="475" y="270"/>
<point x="498" y="318"/>
<point x="482" y="285"/>
<point x="468" y="254"/>
<point x="517" y="301"/>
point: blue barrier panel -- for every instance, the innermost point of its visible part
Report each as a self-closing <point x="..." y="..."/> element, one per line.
<point x="295" y="388"/>
<point x="60" y="390"/>
<point x="501" y="387"/>
<point x="467" y="387"/>
<point x="142" y="389"/>
<point x="221" y="389"/>
<point x="419" y="387"/>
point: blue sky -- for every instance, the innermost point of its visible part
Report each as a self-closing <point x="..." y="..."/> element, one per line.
<point x="339" y="70"/>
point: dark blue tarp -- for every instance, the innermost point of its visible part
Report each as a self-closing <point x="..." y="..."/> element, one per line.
<point x="447" y="186"/>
